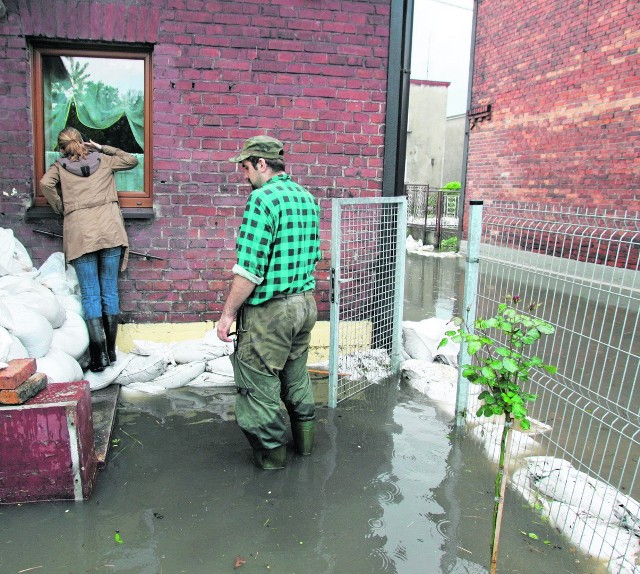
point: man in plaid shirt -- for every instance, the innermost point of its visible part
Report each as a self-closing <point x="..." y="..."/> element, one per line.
<point x="271" y="300"/>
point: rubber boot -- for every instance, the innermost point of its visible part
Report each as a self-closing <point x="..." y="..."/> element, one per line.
<point x="110" y="323"/>
<point x="97" y="345"/>
<point x="270" y="459"/>
<point x="303" y="434"/>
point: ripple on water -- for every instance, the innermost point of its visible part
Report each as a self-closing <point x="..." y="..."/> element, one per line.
<point x="388" y="489"/>
<point x="386" y="564"/>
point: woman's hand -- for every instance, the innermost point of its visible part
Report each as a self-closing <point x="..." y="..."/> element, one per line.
<point x="94" y="145"/>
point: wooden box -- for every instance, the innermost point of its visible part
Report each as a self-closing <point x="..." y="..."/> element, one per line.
<point x="47" y="447"/>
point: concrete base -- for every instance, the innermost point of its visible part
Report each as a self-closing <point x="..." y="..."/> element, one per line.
<point x="47" y="447"/>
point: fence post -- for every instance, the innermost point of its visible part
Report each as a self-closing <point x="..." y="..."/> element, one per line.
<point x="469" y="303"/>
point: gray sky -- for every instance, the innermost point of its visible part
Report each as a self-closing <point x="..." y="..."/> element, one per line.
<point x="441" y="47"/>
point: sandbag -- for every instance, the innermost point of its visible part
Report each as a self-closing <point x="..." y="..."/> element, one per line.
<point x="72" y="337"/>
<point x="71" y="303"/>
<point x="178" y="376"/>
<point x="41" y="300"/>
<point x="207" y="379"/>
<point x="53" y="275"/>
<point x="13" y="284"/>
<point x="59" y="367"/>
<point x="14" y="258"/>
<point x="100" y="380"/>
<point x="221" y="366"/>
<point x="142" y="369"/>
<point x="187" y="351"/>
<point x="33" y="330"/>
<point x="422" y="338"/>
<point x="16" y="350"/>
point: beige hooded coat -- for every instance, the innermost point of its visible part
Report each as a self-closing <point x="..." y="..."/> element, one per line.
<point x="92" y="216"/>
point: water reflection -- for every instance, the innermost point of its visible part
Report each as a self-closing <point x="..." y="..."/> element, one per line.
<point x="434" y="286"/>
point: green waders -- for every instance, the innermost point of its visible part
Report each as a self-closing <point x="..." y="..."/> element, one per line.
<point x="270" y="365"/>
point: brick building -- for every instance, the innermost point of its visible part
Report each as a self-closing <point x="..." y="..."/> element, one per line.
<point x="210" y="73"/>
<point x="564" y="89"/>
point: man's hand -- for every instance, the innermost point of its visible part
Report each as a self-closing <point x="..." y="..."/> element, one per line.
<point x="241" y="288"/>
<point x="224" y="327"/>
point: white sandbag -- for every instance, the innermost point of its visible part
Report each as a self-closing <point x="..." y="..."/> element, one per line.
<point x="72" y="337"/>
<point x="212" y="380"/>
<point x="593" y="536"/>
<point x="33" y="330"/>
<point x="101" y="379"/>
<point x="583" y="492"/>
<point x="41" y="300"/>
<point x="59" y="367"/>
<point x="14" y="258"/>
<point x="196" y="351"/>
<point x="53" y="275"/>
<point x="142" y="369"/>
<point x="221" y="366"/>
<point x="422" y="338"/>
<point x="72" y="280"/>
<point x="179" y="375"/>
<point x="5" y="345"/>
<point x="490" y="435"/>
<point x="71" y="303"/>
<point x="13" y="284"/>
<point x="144" y="388"/>
<point x="17" y="350"/>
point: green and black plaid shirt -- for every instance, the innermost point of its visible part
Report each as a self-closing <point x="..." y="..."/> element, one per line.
<point x="279" y="241"/>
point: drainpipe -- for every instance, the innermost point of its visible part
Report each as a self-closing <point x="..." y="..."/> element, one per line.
<point x="398" y="82"/>
<point x="465" y="147"/>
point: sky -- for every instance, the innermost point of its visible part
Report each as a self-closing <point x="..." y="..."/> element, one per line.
<point x="124" y="74"/>
<point x="441" y="47"/>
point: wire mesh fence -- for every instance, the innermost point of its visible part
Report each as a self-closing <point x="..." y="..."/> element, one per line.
<point x="432" y="215"/>
<point x="581" y="462"/>
<point x="367" y="285"/>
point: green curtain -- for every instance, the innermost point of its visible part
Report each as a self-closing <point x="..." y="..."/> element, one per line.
<point x="98" y="106"/>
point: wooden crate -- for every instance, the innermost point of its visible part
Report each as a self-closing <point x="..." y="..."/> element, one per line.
<point x="47" y="447"/>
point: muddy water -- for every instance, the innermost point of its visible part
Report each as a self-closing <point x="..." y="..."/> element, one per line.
<point x="390" y="488"/>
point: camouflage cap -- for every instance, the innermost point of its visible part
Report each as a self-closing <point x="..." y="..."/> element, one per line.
<point x="260" y="146"/>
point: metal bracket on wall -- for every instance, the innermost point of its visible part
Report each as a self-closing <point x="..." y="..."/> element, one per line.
<point x="478" y="114"/>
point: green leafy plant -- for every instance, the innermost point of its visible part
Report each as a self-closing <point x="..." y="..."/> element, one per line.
<point x="449" y="244"/>
<point x="501" y="367"/>
<point x="452" y="185"/>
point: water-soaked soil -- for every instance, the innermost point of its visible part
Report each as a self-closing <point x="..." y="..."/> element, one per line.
<point x="390" y="488"/>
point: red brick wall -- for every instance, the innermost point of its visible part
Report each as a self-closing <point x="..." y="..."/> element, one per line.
<point x="562" y="78"/>
<point x="310" y="72"/>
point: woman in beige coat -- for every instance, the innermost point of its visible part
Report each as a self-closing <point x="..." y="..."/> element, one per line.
<point x="81" y="186"/>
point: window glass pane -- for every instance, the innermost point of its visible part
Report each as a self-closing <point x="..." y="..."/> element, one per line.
<point x="101" y="97"/>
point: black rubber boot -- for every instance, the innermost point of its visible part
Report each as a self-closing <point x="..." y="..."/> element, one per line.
<point x="303" y="434"/>
<point x="110" y="323"/>
<point x="270" y="459"/>
<point x="97" y="345"/>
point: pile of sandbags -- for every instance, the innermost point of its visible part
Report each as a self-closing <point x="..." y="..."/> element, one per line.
<point x="154" y="368"/>
<point x="41" y="313"/>
<point x="598" y="518"/>
<point x="41" y="317"/>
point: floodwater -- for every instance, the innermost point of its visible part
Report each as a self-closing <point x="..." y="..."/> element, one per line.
<point x="389" y="488"/>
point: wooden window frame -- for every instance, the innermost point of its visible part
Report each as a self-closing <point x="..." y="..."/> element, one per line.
<point x="128" y="199"/>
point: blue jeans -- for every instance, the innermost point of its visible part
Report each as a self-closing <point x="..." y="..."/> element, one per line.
<point x="98" y="278"/>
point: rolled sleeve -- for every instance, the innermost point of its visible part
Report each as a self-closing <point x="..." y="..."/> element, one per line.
<point x="238" y="270"/>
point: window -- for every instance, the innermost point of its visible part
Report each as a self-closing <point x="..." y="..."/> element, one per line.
<point x="106" y="94"/>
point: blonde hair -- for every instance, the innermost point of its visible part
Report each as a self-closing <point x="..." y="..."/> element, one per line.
<point x="71" y="144"/>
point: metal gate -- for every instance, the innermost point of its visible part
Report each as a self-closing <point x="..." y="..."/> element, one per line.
<point x="367" y="289"/>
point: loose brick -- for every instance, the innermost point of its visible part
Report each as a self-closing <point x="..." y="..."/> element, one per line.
<point x="18" y="371"/>
<point x="30" y="388"/>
